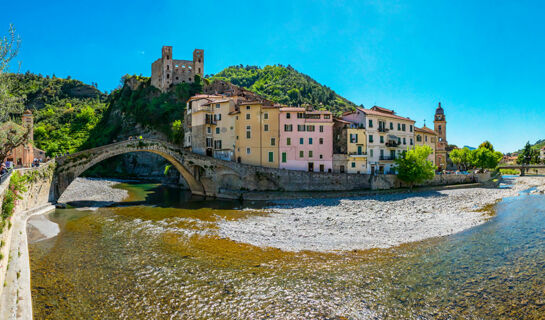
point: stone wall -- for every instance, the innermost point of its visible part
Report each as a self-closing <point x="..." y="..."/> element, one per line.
<point x="5" y="238"/>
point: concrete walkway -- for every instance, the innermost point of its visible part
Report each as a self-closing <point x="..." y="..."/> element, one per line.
<point x="16" y="298"/>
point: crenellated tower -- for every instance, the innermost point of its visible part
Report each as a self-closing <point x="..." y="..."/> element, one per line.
<point x="198" y="62"/>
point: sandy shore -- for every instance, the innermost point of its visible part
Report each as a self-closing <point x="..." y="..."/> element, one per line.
<point x="93" y="192"/>
<point x="370" y="222"/>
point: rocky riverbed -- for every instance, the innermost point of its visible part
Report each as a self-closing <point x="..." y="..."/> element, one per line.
<point x="93" y="192"/>
<point x="371" y="222"/>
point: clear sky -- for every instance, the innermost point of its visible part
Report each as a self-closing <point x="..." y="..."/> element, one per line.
<point x="484" y="60"/>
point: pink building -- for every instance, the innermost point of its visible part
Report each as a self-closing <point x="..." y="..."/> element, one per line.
<point x="306" y="139"/>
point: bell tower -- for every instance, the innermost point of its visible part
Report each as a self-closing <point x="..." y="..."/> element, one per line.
<point x="28" y="122"/>
<point x="440" y="126"/>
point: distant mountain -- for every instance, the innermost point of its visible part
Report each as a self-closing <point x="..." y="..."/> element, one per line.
<point x="470" y="148"/>
<point x="284" y="85"/>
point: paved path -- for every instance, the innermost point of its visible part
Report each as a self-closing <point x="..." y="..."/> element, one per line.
<point x="16" y="299"/>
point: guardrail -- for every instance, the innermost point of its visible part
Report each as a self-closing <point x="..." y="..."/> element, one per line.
<point x="6" y="176"/>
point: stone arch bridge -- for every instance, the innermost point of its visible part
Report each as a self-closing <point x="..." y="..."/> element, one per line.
<point x="211" y="177"/>
<point x="523" y="168"/>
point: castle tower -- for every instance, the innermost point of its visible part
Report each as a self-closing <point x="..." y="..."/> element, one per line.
<point x="440" y="126"/>
<point x="166" y="59"/>
<point x="28" y="122"/>
<point x="198" y="62"/>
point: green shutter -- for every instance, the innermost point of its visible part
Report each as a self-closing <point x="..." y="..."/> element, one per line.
<point x="271" y="156"/>
<point x="284" y="157"/>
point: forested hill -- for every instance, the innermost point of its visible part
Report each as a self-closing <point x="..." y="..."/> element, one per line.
<point x="65" y="110"/>
<point x="284" y="85"/>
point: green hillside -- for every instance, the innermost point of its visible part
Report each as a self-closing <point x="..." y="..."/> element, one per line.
<point x="65" y="110"/>
<point x="284" y="85"/>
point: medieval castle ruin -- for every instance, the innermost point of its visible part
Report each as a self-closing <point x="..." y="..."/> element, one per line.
<point x="166" y="71"/>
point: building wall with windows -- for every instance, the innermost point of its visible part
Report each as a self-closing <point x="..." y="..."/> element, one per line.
<point x="388" y="135"/>
<point x="428" y="137"/>
<point x="349" y="147"/>
<point x="306" y="139"/>
<point x="198" y="136"/>
<point x="223" y="128"/>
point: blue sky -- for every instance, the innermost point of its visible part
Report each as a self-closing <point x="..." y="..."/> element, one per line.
<point x="484" y="60"/>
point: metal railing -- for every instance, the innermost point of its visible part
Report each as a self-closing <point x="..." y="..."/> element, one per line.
<point x="392" y="144"/>
<point x="6" y="175"/>
<point x="390" y="158"/>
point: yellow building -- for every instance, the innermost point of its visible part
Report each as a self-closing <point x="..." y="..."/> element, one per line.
<point x="257" y="134"/>
<point x="349" y="147"/>
<point x="223" y="126"/>
<point x="428" y="137"/>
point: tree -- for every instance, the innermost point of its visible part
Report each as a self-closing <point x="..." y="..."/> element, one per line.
<point x="485" y="158"/>
<point x="413" y="166"/>
<point x="463" y="158"/>
<point x="12" y="135"/>
<point x="9" y="48"/>
<point x="487" y="145"/>
<point x="528" y="155"/>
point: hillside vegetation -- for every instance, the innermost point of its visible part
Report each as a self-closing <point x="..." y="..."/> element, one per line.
<point x="284" y="85"/>
<point x="65" y="110"/>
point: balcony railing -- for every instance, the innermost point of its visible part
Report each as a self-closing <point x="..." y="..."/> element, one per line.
<point x="392" y="144"/>
<point x="357" y="154"/>
<point x="211" y="121"/>
<point x="382" y="129"/>
<point x="387" y="158"/>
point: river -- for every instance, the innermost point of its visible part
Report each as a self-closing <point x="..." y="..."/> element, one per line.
<point x="155" y="256"/>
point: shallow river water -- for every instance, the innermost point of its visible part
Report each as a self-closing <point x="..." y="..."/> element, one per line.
<point x="156" y="256"/>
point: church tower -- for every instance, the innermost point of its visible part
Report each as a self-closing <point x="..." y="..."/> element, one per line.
<point x="440" y="125"/>
<point x="28" y="122"/>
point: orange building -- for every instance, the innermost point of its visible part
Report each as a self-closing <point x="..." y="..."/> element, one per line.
<point x="24" y="155"/>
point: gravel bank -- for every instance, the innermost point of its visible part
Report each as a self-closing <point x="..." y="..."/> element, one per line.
<point x="369" y="222"/>
<point x="93" y="192"/>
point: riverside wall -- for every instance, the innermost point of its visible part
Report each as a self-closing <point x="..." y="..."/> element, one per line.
<point x="15" y="295"/>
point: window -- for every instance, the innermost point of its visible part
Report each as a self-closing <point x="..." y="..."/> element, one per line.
<point x="284" y="156"/>
<point x="399" y="127"/>
<point x="288" y="115"/>
<point x="370" y="138"/>
<point x="341" y="169"/>
<point x="391" y="126"/>
<point x="381" y="153"/>
<point x="322" y="168"/>
<point x="271" y="156"/>
<point x="310" y="128"/>
<point x="288" y="127"/>
<point x="309" y="140"/>
<point x="321" y="128"/>
<point x="301" y="140"/>
<point x="353" y="164"/>
<point x="310" y="154"/>
<point x="217" y="144"/>
<point x="266" y="116"/>
<point x="370" y="123"/>
<point x="208" y="130"/>
<point x="247" y="116"/>
<point x="217" y="130"/>
<point x="425" y="138"/>
<point x="433" y="140"/>
<point x="288" y="141"/>
<point x="247" y="107"/>
<point x="419" y="138"/>
<point x="217" y="105"/>
<point x="353" y="138"/>
<point x="411" y="128"/>
<point x="403" y="127"/>
<point x="248" y="132"/>
<point x="301" y="154"/>
<point x="321" y="140"/>
<point x="440" y="129"/>
<point x="273" y="141"/>
<point x="327" y="116"/>
<point x="321" y="156"/>
<point x="371" y="152"/>
<point x="411" y="143"/>
<point x="300" y="127"/>
<point x="404" y="141"/>
<point x="266" y="127"/>
<point x="300" y="115"/>
<point x="248" y="150"/>
<point x="209" y="142"/>
<point x="381" y="139"/>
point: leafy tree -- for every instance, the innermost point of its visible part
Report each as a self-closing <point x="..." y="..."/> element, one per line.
<point x="529" y="155"/>
<point x="485" y="158"/>
<point x="487" y="145"/>
<point x="463" y="158"/>
<point x="177" y="135"/>
<point x="12" y="135"/>
<point x="9" y="48"/>
<point x="413" y="166"/>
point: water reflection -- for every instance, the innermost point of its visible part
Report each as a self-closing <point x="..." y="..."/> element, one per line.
<point x="160" y="259"/>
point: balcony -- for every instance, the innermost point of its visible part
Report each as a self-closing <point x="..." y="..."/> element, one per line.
<point x="357" y="154"/>
<point x="387" y="158"/>
<point x="211" y="121"/>
<point x="383" y="129"/>
<point x="392" y="144"/>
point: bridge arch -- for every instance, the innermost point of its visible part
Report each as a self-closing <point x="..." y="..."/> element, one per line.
<point x="72" y="166"/>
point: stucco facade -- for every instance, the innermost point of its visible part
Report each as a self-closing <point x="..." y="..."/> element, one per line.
<point x="426" y="137"/>
<point x="349" y="147"/>
<point x="306" y="139"/>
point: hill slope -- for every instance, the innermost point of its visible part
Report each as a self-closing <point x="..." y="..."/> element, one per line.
<point x="65" y="110"/>
<point x="284" y="85"/>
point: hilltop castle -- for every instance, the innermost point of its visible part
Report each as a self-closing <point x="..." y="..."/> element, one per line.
<point x="166" y="71"/>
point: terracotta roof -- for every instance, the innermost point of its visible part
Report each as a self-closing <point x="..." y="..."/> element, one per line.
<point x="341" y="120"/>
<point x="216" y="101"/>
<point x="426" y="130"/>
<point x="234" y="112"/>
<point x="204" y="96"/>
<point x="285" y="109"/>
<point x="380" y="109"/>
<point x="383" y="114"/>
